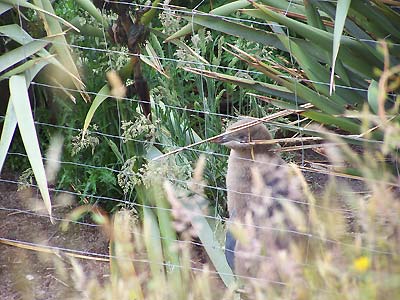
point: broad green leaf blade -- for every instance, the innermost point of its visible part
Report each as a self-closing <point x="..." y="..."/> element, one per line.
<point x="10" y="123"/>
<point x="26" y="4"/>
<point x="4" y="7"/>
<point x="102" y="95"/>
<point x="205" y="233"/>
<point x="154" y="247"/>
<point x="36" y="63"/>
<point x="354" y="54"/>
<point x="341" y="14"/>
<point x="168" y="232"/>
<point x="152" y="60"/>
<point x="286" y="6"/>
<point x="20" y="99"/>
<point x="320" y="101"/>
<point x="88" y="29"/>
<point x="16" y="33"/>
<point x="313" y="16"/>
<point x="278" y="103"/>
<point x="61" y="46"/>
<point x="389" y="15"/>
<point x="236" y="29"/>
<point x="319" y="75"/>
<point x="328" y="119"/>
<point x="223" y="10"/>
<point x="312" y="33"/>
<point x="351" y="27"/>
<point x="314" y="19"/>
<point x="14" y="56"/>
<point x="88" y="6"/>
<point x="373" y="92"/>
<point x="116" y="151"/>
<point x="378" y="23"/>
<point x="212" y="246"/>
<point x="270" y="89"/>
<point x="19" y="35"/>
<point x="256" y="35"/>
<point x="148" y="16"/>
<point x="299" y="91"/>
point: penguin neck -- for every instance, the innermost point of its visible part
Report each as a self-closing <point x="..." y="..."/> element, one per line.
<point x="250" y="153"/>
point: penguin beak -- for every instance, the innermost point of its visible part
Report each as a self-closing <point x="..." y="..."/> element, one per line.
<point x="220" y="140"/>
<point x="229" y="138"/>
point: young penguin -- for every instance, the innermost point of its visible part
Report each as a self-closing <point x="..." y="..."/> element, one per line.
<point x="262" y="193"/>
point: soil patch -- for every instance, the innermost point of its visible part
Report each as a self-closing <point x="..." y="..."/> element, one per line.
<point x="27" y="274"/>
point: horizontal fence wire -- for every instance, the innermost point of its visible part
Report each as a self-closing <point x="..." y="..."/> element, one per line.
<point x="197" y="184"/>
<point x="13" y="211"/>
<point x="196" y="63"/>
<point x="178" y="9"/>
<point x="205" y="152"/>
<point x="173" y="107"/>
<point x="210" y="217"/>
<point x="168" y="265"/>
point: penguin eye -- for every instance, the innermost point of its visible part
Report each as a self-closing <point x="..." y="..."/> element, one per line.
<point x="243" y="139"/>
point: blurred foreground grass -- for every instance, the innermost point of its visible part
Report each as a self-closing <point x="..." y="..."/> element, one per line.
<point x="353" y="244"/>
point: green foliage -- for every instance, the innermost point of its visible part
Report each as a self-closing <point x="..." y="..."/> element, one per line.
<point x="24" y="54"/>
<point x="177" y="106"/>
<point x="305" y="35"/>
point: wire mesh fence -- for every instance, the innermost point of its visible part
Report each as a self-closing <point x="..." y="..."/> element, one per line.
<point x="196" y="148"/>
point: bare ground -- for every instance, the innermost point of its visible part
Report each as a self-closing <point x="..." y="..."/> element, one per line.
<point x="27" y="274"/>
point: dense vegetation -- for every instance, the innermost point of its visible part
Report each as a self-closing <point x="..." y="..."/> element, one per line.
<point x="335" y="65"/>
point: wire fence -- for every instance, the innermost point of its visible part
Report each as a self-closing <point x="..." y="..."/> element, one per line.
<point x="180" y="62"/>
<point x="82" y="167"/>
<point x="210" y="217"/>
